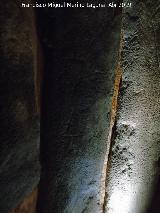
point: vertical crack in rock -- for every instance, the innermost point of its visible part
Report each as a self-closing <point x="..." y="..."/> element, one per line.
<point x="29" y="14"/>
<point x="38" y="62"/>
<point x="38" y="73"/>
<point x="118" y="77"/>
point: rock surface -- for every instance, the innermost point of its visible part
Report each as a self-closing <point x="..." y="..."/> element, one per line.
<point x="28" y="205"/>
<point x="134" y="167"/>
<point x="19" y="131"/>
<point x="81" y="51"/>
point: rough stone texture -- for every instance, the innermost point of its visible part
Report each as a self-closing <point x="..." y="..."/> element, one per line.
<point x="19" y="131"/>
<point x="28" y="205"/>
<point x="81" y="50"/>
<point x="134" y="162"/>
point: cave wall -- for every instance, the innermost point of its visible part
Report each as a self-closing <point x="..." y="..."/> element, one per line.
<point x="133" y="178"/>
<point x="80" y="55"/>
<point x="80" y="48"/>
<point x="19" y="131"/>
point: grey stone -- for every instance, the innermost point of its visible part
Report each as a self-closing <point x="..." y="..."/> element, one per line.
<point x="19" y="131"/>
<point x="81" y="52"/>
<point x="133" y="172"/>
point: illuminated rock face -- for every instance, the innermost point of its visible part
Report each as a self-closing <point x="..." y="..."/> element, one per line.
<point x="81" y="52"/>
<point x="134" y="166"/>
<point x="19" y="131"/>
<point x="80" y="49"/>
